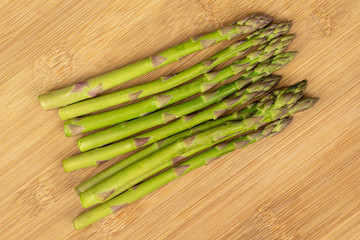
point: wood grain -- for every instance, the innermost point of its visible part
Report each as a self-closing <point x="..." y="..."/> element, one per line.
<point x="302" y="184"/>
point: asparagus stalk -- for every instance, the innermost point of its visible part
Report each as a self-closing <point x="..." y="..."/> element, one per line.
<point x="94" y="86"/>
<point x="126" y="129"/>
<point x="276" y="105"/>
<point x="138" y="191"/>
<point x="159" y="144"/>
<point x="165" y="83"/>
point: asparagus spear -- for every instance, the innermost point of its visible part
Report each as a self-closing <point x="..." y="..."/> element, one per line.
<point x="157" y="145"/>
<point x="143" y="90"/>
<point x="138" y="191"/>
<point x="276" y="105"/>
<point x="94" y="86"/>
<point x="129" y="128"/>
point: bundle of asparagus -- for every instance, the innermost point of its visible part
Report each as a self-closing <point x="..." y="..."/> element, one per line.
<point x="277" y="104"/>
<point x="219" y="120"/>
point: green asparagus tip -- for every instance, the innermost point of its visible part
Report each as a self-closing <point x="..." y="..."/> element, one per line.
<point x="275" y="63"/>
<point x="271" y="81"/>
<point x="287" y="25"/>
<point x="264" y="17"/>
<point x="257" y="20"/>
<point x="281" y="28"/>
<point x="274" y="77"/>
<point x="281" y="125"/>
<point x="268" y="130"/>
<point x="300" y="86"/>
<point x="286" y="56"/>
<point x="303" y="104"/>
<point x="284" y="40"/>
<point x="270" y="32"/>
<point x="289" y="36"/>
<point x="289" y="95"/>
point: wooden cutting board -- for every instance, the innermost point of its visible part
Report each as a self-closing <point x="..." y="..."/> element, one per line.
<point x="301" y="184"/>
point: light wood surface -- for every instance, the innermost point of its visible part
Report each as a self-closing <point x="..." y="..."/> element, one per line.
<point x="301" y="184"/>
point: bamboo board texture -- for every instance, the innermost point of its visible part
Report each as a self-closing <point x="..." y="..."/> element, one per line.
<point x="301" y="184"/>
